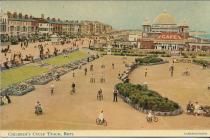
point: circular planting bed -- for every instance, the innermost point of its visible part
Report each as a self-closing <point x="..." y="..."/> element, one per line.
<point x="143" y="99"/>
<point x="149" y="60"/>
<point x="140" y="97"/>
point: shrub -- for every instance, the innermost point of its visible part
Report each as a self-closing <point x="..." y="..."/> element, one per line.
<point x="148" y="59"/>
<point x="147" y="99"/>
<point x="200" y="61"/>
<point x="202" y="54"/>
<point x="193" y="56"/>
<point x="184" y="55"/>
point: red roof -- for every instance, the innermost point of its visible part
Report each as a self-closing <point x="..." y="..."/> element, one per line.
<point x="169" y="36"/>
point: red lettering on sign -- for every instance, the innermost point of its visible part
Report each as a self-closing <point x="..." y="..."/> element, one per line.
<point x="169" y="36"/>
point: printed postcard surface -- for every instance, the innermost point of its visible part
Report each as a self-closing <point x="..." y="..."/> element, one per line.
<point x="105" y="68"/>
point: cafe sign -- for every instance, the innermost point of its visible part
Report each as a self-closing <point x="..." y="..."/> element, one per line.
<point x="169" y="36"/>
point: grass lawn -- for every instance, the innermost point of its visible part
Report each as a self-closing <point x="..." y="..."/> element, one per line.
<point x="204" y="58"/>
<point x="60" y="60"/>
<point x="19" y="74"/>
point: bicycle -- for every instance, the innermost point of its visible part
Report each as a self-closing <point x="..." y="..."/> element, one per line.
<point x="99" y="122"/>
<point x="152" y="119"/>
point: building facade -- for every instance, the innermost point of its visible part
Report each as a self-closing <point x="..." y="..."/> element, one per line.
<point x="19" y="25"/>
<point x="164" y="33"/>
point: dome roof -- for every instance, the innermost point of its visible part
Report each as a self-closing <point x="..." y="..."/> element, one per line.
<point x="164" y="18"/>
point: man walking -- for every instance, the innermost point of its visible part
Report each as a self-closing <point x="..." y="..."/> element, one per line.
<point x="112" y="65"/>
<point x="145" y="73"/>
<point x="172" y="70"/>
<point x="85" y="71"/>
<point x="115" y="95"/>
<point x="52" y="89"/>
<point x="73" y="86"/>
<point x="73" y="74"/>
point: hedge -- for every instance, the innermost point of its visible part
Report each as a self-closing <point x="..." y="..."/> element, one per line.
<point x="148" y="59"/>
<point x="200" y="61"/>
<point x="146" y="99"/>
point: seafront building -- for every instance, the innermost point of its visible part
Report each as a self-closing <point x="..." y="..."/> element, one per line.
<point x="19" y="25"/>
<point x="164" y="33"/>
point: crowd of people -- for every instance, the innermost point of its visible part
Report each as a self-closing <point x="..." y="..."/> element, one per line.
<point x="195" y="109"/>
<point x="42" y="50"/>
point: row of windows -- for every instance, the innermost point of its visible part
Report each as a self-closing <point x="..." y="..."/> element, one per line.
<point x="3" y="20"/>
<point x="19" y="23"/>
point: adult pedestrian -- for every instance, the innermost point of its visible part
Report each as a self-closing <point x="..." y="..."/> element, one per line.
<point x="73" y="86"/>
<point x="145" y="73"/>
<point x="8" y="99"/>
<point x="85" y="71"/>
<point x="73" y="74"/>
<point x="115" y="93"/>
<point x="52" y="86"/>
<point x="112" y="65"/>
<point x="91" y="67"/>
<point x="172" y="70"/>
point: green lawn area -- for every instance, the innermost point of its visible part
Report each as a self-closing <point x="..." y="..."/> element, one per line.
<point x="19" y="74"/>
<point x="61" y="60"/>
<point x="204" y="58"/>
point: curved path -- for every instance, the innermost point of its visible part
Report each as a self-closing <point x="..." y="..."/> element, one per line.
<point x="79" y="111"/>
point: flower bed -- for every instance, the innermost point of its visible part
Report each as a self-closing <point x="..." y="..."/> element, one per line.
<point x="17" y="90"/>
<point x="148" y="60"/>
<point x="144" y="100"/>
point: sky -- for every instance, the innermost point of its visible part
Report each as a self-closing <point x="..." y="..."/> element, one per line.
<point x="119" y="14"/>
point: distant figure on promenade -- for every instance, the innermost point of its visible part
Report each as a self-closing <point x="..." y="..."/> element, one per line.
<point x="145" y="73"/>
<point x="115" y="93"/>
<point x="187" y="72"/>
<point x="209" y="86"/>
<point x="171" y="69"/>
<point x="100" y="95"/>
<point x="73" y="74"/>
<point x="85" y="71"/>
<point x="112" y="65"/>
<point x="38" y="108"/>
<point x="197" y="109"/>
<point x="52" y="86"/>
<point x="73" y="86"/>
<point x="92" y="79"/>
<point x="8" y="99"/>
<point x="204" y="66"/>
<point x="190" y="107"/>
<point x="102" y="78"/>
<point x="101" y="117"/>
<point x="91" y="67"/>
<point x="102" y="66"/>
<point x="6" y="64"/>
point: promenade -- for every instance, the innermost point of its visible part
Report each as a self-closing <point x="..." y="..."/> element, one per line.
<point x="79" y="111"/>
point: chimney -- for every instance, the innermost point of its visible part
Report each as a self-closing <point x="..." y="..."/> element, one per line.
<point x="15" y="15"/>
<point x="26" y="16"/>
<point x="42" y="16"/>
<point x="20" y="15"/>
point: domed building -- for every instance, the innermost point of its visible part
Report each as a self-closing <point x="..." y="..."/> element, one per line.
<point x="164" y="33"/>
